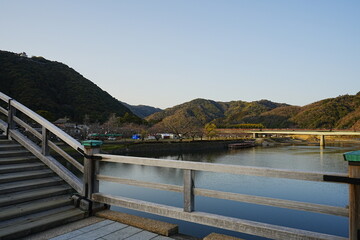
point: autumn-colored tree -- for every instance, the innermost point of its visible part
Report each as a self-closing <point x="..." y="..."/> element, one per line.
<point x="210" y="130"/>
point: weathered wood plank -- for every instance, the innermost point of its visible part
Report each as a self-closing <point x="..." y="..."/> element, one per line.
<point x="48" y="125"/>
<point x="122" y="233"/>
<point x="221" y="168"/>
<point x="51" y="144"/>
<point x="11" y="114"/>
<point x="45" y="150"/>
<point x="354" y="203"/>
<point x="100" y="232"/>
<point x="52" y="163"/>
<point x="3" y="125"/>
<point x="301" y="206"/>
<point x="160" y="186"/>
<point x="189" y="200"/>
<point x="3" y="111"/>
<point x="229" y="223"/>
<point x="4" y="97"/>
<point x="91" y="169"/>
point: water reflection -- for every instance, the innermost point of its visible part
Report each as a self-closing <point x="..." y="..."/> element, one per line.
<point x="307" y="158"/>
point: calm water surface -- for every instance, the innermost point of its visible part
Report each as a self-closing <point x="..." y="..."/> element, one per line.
<point x="307" y="158"/>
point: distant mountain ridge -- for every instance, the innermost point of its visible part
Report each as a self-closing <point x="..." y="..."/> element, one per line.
<point x="55" y="90"/>
<point x="201" y="111"/>
<point x="342" y="112"/>
<point x="142" y="111"/>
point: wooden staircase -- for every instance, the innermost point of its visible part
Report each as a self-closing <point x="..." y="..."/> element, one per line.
<point x="32" y="197"/>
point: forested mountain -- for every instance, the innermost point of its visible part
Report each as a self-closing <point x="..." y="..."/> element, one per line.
<point x="342" y="112"/>
<point x="142" y="111"/>
<point x="224" y="114"/>
<point x="55" y="89"/>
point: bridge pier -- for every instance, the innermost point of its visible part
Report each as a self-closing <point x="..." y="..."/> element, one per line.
<point x="255" y="135"/>
<point x="322" y="140"/>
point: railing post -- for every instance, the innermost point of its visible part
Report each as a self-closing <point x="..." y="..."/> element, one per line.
<point x="45" y="150"/>
<point x="353" y="159"/>
<point x="91" y="167"/>
<point x="11" y="114"/>
<point x="322" y="140"/>
<point x="189" y="203"/>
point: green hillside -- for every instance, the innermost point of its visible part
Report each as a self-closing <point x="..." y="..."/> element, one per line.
<point x="342" y="112"/>
<point x="198" y="112"/>
<point x="55" y="89"/>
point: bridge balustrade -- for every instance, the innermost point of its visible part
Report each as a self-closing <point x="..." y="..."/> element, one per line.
<point x="88" y="185"/>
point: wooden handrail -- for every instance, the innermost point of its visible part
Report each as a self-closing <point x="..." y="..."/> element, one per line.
<point x="48" y="125"/>
<point x="42" y="153"/>
<point x="4" y="97"/>
<point x="229" y="223"/>
<point x="51" y="144"/>
<point x="221" y="168"/>
<point x="301" y="206"/>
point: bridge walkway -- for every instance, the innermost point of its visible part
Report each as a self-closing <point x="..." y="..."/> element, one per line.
<point x="97" y="228"/>
<point x="32" y="197"/>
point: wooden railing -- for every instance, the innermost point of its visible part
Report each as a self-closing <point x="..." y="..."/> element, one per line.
<point x="188" y="213"/>
<point x="11" y="129"/>
<point x="89" y="186"/>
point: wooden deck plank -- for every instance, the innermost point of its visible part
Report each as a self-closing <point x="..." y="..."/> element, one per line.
<point x="100" y="232"/>
<point x="95" y="226"/>
<point x="161" y="238"/>
<point x="143" y="235"/>
<point x="123" y="233"/>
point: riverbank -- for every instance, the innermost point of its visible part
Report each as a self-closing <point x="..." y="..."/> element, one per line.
<point x="123" y="148"/>
<point x="144" y="147"/>
<point x="141" y="147"/>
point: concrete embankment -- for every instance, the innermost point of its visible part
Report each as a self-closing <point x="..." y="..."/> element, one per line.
<point x="168" y="147"/>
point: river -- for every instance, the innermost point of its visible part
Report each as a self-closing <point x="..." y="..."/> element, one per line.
<point x="307" y="158"/>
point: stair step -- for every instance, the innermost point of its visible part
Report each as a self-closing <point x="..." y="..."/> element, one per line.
<point x="30" y="195"/>
<point x="29" y="184"/>
<point x="32" y="224"/>
<point x="10" y="146"/>
<point x="35" y="206"/>
<point x="23" y="167"/>
<point x="14" y="160"/>
<point x="20" y="176"/>
<point x="6" y="141"/>
<point x="21" y="220"/>
<point x="14" y="153"/>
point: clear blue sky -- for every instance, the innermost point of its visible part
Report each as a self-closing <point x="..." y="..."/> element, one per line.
<point x="166" y="52"/>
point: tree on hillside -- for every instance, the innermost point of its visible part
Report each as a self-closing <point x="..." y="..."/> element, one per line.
<point x="195" y="132"/>
<point x="210" y="130"/>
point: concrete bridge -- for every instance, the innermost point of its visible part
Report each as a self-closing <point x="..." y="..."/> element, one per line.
<point x="87" y="196"/>
<point x="320" y="134"/>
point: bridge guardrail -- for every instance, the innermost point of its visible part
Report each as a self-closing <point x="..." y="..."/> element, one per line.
<point x="42" y="153"/>
<point x="188" y="213"/>
<point x="90" y="184"/>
